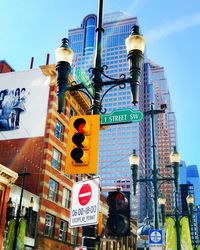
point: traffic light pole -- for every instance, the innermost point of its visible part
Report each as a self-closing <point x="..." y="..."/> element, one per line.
<point x="89" y="233"/>
<point x="135" y="55"/>
<point x="97" y="70"/>
<point x="153" y="112"/>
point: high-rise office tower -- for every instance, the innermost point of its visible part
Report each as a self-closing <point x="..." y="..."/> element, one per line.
<point x="118" y="141"/>
<point x="193" y="178"/>
<point x="165" y="124"/>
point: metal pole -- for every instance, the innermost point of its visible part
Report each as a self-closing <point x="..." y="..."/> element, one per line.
<point x="97" y="67"/>
<point x="176" y="207"/>
<point x="154" y="172"/>
<point x="24" y="174"/>
<point x="89" y="235"/>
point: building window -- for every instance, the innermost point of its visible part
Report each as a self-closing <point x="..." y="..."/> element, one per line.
<point x="56" y="158"/>
<point x="72" y="112"/>
<point x="59" y="130"/>
<point x="53" y="190"/>
<point x="74" y="236"/>
<point x="49" y="225"/>
<point x="66" y="198"/>
<point x="63" y="230"/>
<point x="65" y="107"/>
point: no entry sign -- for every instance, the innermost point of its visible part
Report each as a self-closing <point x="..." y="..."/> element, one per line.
<point x="85" y="194"/>
<point x="85" y="203"/>
<point x="81" y="248"/>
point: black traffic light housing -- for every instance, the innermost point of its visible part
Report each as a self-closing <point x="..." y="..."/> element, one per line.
<point x="118" y="223"/>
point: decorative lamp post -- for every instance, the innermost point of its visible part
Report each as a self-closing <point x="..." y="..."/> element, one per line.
<point x="134" y="163"/>
<point x="9" y="212"/>
<point x="30" y="209"/>
<point x="175" y="162"/>
<point x="24" y="174"/>
<point x="64" y="57"/>
<point x="162" y="202"/>
<point x="190" y="203"/>
<point x="135" y="46"/>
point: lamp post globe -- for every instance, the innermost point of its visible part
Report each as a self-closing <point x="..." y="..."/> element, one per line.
<point x="134" y="163"/>
<point x="135" y="45"/>
<point x="64" y="57"/>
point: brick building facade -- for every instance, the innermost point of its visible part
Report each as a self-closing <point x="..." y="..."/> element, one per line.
<point x="44" y="157"/>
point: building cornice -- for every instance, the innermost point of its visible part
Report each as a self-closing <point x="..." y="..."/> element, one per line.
<point x="7" y="176"/>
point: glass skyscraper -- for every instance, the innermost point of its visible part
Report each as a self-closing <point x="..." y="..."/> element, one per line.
<point x="118" y="141"/>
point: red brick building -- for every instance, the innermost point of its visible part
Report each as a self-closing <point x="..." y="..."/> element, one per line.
<point x="44" y="157"/>
<point x="5" y="67"/>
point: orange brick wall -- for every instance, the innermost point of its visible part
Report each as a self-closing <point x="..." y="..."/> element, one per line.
<point x="19" y="153"/>
<point x="3" y="206"/>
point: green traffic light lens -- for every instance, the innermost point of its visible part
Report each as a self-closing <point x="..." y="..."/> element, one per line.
<point x="77" y="154"/>
<point x="118" y="225"/>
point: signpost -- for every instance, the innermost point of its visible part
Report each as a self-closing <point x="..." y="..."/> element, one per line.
<point x="122" y="116"/>
<point x="155" y="239"/>
<point x="80" y="248"/>
<point x="86" y="81"/>
<point x="85" y="203"/>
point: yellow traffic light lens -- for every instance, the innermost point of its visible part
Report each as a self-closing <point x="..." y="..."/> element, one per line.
<point x="80" y="140"/>
<point x="79" y="156"/>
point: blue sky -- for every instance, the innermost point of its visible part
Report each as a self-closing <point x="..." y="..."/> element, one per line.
<point x="172" y="32"/>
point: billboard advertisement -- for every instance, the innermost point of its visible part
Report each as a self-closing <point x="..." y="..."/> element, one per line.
<point x="23" y="104"/>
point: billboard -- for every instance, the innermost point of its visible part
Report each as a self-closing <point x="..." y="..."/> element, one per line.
<point x="23" y="104"/>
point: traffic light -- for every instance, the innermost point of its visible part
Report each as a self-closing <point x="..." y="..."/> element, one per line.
<point x="82" y="148"/>
<point x="118" y="223"/>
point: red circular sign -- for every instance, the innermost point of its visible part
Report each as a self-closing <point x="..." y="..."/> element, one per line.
<point x="85" y="194"/>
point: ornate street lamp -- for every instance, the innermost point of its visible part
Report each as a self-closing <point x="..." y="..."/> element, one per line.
<point x="162" y="203"/>
<point x="175" y="162"/>
<point x="135" y="46"/>
<point x="134" y="163"/>
<point x="9" y="212"/>
<point x="64" y="57"/>
<point x="190" y="203"/>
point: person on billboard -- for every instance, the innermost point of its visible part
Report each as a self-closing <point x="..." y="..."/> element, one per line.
<point x="19" y="106"/>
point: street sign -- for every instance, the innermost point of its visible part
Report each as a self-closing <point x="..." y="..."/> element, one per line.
<point x="85" y="194"/>
<point x="86" y="81"/>
<point x="122" y="116"/>
<point x="85" y="203"/>
<point x="155" y="237"/>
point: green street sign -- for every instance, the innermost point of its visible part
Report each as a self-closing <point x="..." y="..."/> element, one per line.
<point x="86" y="81"/>
<point x="122" y="116"/>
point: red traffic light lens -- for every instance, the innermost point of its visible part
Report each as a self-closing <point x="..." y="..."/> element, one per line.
<point x="117" y="201"/>
<point x="80" y="124"/>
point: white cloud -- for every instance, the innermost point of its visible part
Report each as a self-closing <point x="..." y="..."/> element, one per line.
<point x="174" y="27"/>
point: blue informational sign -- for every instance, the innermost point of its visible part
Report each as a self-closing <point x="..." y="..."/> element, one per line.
<point x="155" y="237"/>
